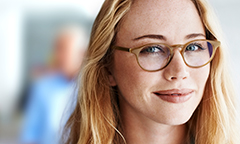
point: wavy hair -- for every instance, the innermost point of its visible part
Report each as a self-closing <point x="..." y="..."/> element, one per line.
<point x="96" y="118"/>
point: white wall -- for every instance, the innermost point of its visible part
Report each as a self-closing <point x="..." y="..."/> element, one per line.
<point x="10" y="58"/>
<point x="228" y="12"/>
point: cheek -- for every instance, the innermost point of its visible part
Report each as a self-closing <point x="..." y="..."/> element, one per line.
<point x="200" y="76"/>
<point x="130" y="78"/>
<point x="124" y="69"/>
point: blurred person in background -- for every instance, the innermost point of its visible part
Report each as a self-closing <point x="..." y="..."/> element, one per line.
<point x="51" y="92"/>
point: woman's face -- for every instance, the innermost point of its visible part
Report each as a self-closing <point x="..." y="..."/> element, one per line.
<point x="171" y="95"/>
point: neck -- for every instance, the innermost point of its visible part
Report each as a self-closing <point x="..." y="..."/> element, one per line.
<point x="142" y="130"/>
<point x="69" y="73"/>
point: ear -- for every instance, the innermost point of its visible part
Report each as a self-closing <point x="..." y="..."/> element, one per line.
<point x="111" y="78"/>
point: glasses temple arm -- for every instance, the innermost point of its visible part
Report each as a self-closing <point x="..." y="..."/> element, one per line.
<point x="121" y="48"/>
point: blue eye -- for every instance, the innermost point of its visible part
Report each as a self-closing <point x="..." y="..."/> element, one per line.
<point x="194" y="47"/>
<point x="153" y="49"/>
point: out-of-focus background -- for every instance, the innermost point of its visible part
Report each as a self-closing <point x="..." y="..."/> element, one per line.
<point x="28" y="31"/>
<point x="228" y="13"/>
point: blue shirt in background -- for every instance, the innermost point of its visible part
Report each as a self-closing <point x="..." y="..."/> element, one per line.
<point x="48" y="109"/>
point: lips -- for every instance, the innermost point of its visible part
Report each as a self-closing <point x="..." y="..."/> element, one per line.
<point x="175" y="95"/>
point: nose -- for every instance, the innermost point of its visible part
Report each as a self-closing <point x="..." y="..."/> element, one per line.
<point x="176" y="69"/>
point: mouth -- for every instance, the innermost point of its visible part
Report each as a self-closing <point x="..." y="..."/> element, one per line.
<point x="175" y="95"/>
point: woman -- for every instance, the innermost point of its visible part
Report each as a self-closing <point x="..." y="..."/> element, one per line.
<point x="155" y="73"/>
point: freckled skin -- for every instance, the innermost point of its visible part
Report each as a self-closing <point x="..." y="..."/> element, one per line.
<point x="138" y="105"/>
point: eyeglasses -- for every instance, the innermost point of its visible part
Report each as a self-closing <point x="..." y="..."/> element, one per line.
<point x="156" y="56"/>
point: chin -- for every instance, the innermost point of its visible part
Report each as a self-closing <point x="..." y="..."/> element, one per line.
<point x="174" y="119"/>
<point x="178" y="121"/>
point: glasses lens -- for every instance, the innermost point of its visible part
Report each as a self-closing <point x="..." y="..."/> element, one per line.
<point x="198" y="53"/>
<point x="154" y="57"/>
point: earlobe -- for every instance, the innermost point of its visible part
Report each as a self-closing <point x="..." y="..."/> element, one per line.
<point x="112" y="81"/>
<point x="111" y="78"/>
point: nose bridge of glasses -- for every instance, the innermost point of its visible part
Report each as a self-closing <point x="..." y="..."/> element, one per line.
<point x="177" y="46"/>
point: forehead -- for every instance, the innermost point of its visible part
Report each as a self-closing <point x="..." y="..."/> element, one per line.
<point x="171" y="18"/>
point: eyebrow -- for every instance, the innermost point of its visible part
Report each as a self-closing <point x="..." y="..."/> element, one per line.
<point x="194" y="35"/>
<point x="152" y="36"/>
<point x="161" y="37"/>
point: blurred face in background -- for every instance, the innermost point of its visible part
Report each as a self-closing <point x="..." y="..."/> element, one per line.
<point x="69" y="51"/>
<point x="171" y="95"/>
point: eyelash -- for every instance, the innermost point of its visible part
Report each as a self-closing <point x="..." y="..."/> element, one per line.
<point x="199" y="45"/>
<point x="157" y="47"/>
